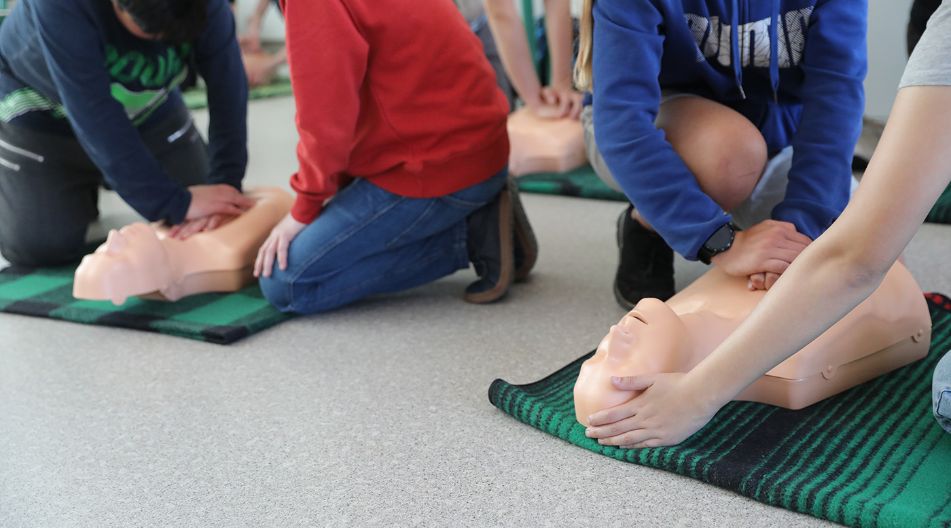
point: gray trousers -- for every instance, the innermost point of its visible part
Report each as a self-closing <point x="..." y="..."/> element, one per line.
<point x="49" y="188"/>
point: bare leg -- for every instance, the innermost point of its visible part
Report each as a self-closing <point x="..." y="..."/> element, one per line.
<point x="723" y="149"/>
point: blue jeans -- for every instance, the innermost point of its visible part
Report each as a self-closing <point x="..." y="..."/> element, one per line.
<point x="369" y="241"/>
<point x="941" y="392"/>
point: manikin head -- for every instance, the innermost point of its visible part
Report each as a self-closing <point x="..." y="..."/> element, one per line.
<point x="650" y="338"/>
<point x="133" y="261"/>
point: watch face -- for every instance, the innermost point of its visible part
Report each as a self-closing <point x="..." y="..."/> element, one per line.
<point x="721" y="239"/>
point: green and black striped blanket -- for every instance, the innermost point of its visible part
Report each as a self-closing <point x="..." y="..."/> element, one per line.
<point x="584" y="183"/>
<point x="872" y="456"/>
<point x="212" y="317"/>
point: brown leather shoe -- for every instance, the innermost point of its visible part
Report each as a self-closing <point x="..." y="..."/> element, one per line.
<point x="491" y="249"/>
<point x="526" y="246"/>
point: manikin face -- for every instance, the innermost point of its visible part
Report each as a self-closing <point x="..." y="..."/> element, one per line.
<point x="650" y="338"/>
<point x="132" y="262"/>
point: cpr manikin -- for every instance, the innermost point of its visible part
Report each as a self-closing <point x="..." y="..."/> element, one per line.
<point x="890" y="329"/>
<point x="140" y="259"/>
<point x="544" y="145"/>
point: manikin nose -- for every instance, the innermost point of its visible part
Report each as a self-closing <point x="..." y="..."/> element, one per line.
<point x="621" y="341"/>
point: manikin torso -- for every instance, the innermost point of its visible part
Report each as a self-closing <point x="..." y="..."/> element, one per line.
<point x="544" y="145"/>
<point x="890" y="329"/>
<point x="140" y="259"/>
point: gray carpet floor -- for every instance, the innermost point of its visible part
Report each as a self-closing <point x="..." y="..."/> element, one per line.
<point x="374" y="415"/>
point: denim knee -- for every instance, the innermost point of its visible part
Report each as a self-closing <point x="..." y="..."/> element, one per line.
<point x="277" y="289"/>
<point x="941" y="392"/>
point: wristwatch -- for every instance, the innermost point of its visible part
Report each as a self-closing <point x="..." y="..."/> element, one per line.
<point x="720" y="241"/>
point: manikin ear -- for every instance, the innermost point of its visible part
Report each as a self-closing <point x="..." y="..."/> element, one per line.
<point x="118" y="300"/>
<point x="116" y="242"/>
<point x="114" y="293"/>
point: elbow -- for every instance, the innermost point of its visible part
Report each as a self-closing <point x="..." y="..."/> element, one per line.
<point x="864" y="278"/>
<point x="861" y="271"/>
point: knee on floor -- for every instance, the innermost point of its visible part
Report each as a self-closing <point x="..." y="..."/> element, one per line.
<point x="49" y="249"/>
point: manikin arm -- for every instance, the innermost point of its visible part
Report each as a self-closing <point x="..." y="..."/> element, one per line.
<point x="833" y="275"/>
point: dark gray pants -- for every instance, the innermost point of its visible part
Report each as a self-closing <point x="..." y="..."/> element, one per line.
<point x="49" y="188"/>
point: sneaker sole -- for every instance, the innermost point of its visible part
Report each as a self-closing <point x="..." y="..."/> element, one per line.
<point x="507" y="256"/>
<point x="524" y="234"/>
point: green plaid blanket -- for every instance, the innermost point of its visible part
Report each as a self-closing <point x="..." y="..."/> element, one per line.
<point x="213" y="317"/>
<point x="581" y="182"/>
<point x="941" y="212"/>
<point x="871" y="456"/>
<point x="584" y="183"/>
<point x="197" y="98"/>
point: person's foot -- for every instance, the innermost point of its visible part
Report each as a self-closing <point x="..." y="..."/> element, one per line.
<point x="491" y="249"/>
<point x="526" y="246"/>
<point x="646" y="264"/>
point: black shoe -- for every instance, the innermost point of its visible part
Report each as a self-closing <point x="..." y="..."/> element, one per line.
<point x="491" y="249"/>
<point x="646" y="265"/>
<point x="526" y="246"/>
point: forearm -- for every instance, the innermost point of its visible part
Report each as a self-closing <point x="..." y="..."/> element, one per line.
<point x="845" y="265"/>
<point x="219" y="62"/>
<point x="513" y="48"/>
<point x="816" y="291"/>
<point x="560" y="30"/>
<point x="261" y="9"/>
<point x="257" y="16"/>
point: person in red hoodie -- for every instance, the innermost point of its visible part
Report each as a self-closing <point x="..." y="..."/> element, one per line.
<point x="403" y="158"/>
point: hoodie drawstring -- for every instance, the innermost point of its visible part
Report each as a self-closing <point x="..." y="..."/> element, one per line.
<point x="774" y="51"/>
<point x="737" y="52"/>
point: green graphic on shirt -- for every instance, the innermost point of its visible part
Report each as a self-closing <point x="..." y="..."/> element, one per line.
<point x="139" y="105"/>
<point x="151" y="71"/>
<point x="19" y="102"/>
<point x="158" y="75"/>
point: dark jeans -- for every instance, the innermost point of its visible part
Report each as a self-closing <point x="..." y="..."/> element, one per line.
<point x="370" y="241"/>
<point x="49" y="188"/>
<point x="941" y="392"/>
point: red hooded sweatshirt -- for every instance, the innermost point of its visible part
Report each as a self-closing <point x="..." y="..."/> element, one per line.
<point x="395" y="91"/>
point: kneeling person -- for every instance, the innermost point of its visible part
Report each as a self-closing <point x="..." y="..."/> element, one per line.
<point x="402" y="129"/>
<point x="88" y="94"/>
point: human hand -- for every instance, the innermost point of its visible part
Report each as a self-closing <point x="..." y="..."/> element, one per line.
<point x="250" y="40"/>
<point x="219" y="198"/>
<point x="206" y="223"/>
<point x="669" y="410"/>
<point x="762" y="281"/>
<point x="768" y="247"/>
<point x="545" y="105"/>
<point x="569" y="101"/>
<point x="276" y="246"/>
<point x="259" y="71"/>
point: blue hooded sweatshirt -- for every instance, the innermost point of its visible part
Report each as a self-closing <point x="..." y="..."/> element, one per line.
<point x="70" y="67"/>
<point x="793" y="67"/>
